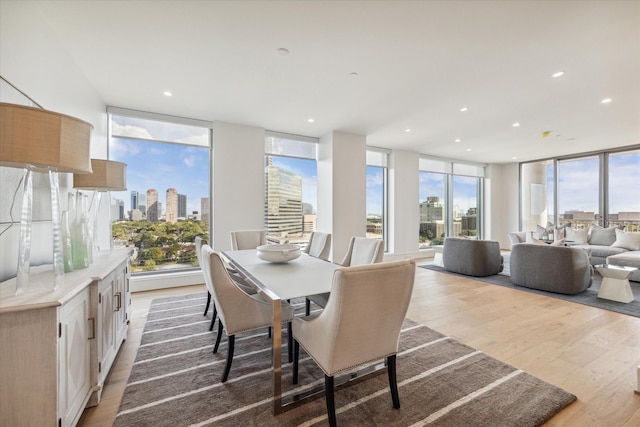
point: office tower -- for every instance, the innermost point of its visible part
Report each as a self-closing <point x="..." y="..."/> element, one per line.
<point x="172" y="206"/>
<point x="153" y="213"/>
<point x="135" y="200"/>
<point x="182" y="206"/>
<point x="204" y="209"/>
<point x="284" y="202"/>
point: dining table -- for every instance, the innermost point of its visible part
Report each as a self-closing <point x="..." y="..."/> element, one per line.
<point x="301" y="277"/>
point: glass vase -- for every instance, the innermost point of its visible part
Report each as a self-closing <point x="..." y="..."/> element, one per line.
<point x="78" y="234"/>
<point x="67" y="251"/>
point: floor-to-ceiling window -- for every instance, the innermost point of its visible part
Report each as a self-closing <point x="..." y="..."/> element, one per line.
<point x="597" y="188"/>
<point x="376" y="193"/>
<point x="166" y="204"/>
<point x="450" y="200"/>
<point x="290" y="188"/>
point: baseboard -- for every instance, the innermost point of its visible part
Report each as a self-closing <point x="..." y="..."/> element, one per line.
<point x="150" y="282"/>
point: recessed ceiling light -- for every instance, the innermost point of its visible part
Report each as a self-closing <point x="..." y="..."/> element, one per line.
<point x="456" y="140"/>
<point x="354" y="74"/>
<point x="468" y="149"/>
<point x="407" y="130"/>
<point x="167" y="93"/>
<point x="558" y="74"/>
<point x="311" y="120"/>
<point x="606" y="100"/>
<point x="282" y="51"/>
<point x="516" y="124"/>
<point x="513" y="158"/>
<point x="463" y="109"/>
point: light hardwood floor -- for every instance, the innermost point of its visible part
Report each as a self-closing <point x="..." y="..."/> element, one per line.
<point x="589" y="352"/>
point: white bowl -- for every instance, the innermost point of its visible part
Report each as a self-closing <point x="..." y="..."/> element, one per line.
<point x="278" y="253"/>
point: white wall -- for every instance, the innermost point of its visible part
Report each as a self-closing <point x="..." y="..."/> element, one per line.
<point x="238" y="181"/>
<point x="33" y="60"/>
<point x="403" y="212"/>
<point x="501" y="202"/>
<point x="342" y="171"/>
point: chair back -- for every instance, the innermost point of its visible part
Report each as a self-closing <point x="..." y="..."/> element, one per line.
<point x="200" y="242"/>
<point x="238" y="311"/>
<point x="247" y="239"/>
<point x="363" y="317"/>
<point x="319" y="245"/>
<point x="363" y="251"/>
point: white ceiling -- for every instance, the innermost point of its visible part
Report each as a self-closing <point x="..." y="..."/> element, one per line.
<point x="418" y="63"/>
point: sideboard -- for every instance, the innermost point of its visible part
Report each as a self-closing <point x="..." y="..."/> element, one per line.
<point x="57" y="346"/>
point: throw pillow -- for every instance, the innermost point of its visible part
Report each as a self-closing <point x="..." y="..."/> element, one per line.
<point x="627" y="240"/>
<point x="578" y="237"/>
<point x="601" y="236"/>
<point x="533" y="240"/>
<point x="558" y="243"/>
<point x="541" y="231"/>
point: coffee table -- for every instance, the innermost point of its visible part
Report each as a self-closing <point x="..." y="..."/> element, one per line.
<point x="615" y="282"/>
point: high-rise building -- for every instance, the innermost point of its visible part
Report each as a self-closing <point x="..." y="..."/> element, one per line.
<point x="171" y="215"/>
<point x="283" y="210"/>
<point x="204" y="209"/>
<point x="117" y="209"/>
<point x="153" y="212"/>
<point x="182" y="206"/>
<point x="135" y="200"/>
<point x="431" y="210"/>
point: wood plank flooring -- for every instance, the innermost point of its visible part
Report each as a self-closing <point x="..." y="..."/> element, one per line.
<point x="590" y="352"/>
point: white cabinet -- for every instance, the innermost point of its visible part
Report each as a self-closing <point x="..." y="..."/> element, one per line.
<point x="57" y="346"/>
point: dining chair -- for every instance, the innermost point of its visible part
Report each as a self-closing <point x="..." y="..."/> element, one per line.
<point x="361" y="251"/>
<point x="319" y="245"/>
<point x="247" y="239"/>
<point x="199" y="242"/>
<point x="360" y="324"/>
<point x="238" y="311"/>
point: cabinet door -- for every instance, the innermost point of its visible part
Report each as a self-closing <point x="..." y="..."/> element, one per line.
<point x="106" y="328"/>
<point x="120" y="300"/>
<point x="74" y="382"/>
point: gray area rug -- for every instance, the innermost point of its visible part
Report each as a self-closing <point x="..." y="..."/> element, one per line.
<point x="588" y="297"/>
<point x="175" y="381"/>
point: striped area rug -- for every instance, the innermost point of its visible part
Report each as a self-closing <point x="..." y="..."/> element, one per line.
<point x="175" y="381"/>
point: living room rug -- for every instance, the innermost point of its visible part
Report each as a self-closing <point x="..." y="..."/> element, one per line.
<point x="175" y="381"/>
<point x="588" y="297"/>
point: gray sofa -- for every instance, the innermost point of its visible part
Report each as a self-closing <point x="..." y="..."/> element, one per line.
<point x="472" y="257"/>
<point x="597" y="241"/>
<point x="559" y="269"/>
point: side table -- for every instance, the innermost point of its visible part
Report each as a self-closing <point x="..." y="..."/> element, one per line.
<point x="615" y="282"/>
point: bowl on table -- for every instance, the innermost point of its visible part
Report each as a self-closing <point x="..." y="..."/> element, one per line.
<point x="280" y="253"/>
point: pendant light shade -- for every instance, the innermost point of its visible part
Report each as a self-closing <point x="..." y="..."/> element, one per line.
<point x="107" y="176"/>
<point x="38" y="139"/>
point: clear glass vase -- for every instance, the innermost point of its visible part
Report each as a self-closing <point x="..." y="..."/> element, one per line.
<point x="67" y="251"/>
<point x="79" y="233"/>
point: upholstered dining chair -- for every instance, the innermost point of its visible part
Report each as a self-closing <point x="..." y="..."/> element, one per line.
<point x="247" y="239"/>
<point x="361" y="251"/>
<point x="238" y="311"/>
<point x="351" y="331"/>
<point x="199" y="242"/>
<point x="319" y="245"/>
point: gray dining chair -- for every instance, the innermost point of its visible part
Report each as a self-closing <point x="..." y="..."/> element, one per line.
<point x="238" y="311"/>
<point x="199" y="242"/>
<point x="360" y="324"/>
<point x="361" y="251"/>
<point x="247" y="239"/>
<point x="319" y="245"/>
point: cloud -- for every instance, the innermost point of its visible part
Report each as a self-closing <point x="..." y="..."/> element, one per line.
<point x="189" y="161"/>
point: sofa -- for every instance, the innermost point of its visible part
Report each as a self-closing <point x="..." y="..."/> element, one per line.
<point x="603" y="245"/>
<point x="559" y="269"/>
<point x="472" y="257"/>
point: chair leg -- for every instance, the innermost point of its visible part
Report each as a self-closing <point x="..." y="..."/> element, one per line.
<point x="269" y="331"/>
<point x="289" y="342"/>
<point x="331" y="405"/>
<point x="215" y="347"/>
<point x="213" y="319"/>
<point x="296" y="356"/>
<point x="307" y="306"/>
<point x="206" y="308"/>
<point x="227" y="368"/>
<point x="393" y="383"/>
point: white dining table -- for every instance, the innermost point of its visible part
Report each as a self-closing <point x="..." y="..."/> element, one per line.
<point x="301" y="277"/>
